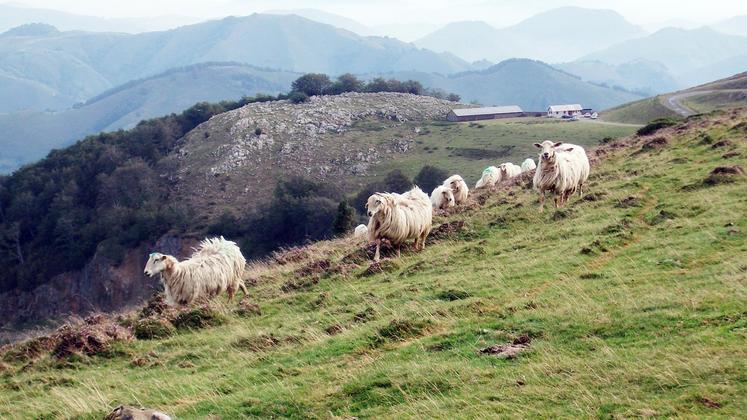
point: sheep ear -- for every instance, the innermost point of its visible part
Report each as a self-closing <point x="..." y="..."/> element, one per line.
<point x="557" y="144"/>
<point x="537" y="145"/>
<point x="568" y="150"/>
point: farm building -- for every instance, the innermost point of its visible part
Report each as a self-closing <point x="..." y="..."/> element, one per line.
<point x="558" y="111"/>
<point x="487" y="113"/>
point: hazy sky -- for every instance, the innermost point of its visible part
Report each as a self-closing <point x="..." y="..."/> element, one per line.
<point x="374" y="12"/>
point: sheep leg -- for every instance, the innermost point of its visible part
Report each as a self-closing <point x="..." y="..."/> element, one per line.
<point x="377" y="255"/>
<point x="542" y="201"/>
<point x="399" y="251"/>
<point x="242" y="286"/>
<point x="231" y="291"/>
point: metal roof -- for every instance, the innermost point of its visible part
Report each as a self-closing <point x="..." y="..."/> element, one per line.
<point x="465" y="112"/>
<point x="565" y="108"/>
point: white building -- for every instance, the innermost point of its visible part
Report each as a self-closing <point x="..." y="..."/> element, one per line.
<point x="558" y="111"/>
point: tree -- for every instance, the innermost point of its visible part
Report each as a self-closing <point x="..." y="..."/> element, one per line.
<point x="298" y="97"/>
<point x="312" y="84"/>
<point x="346" y="83"/>
<point x="344" y="219"/>
<point x="378" y="84"/>
<point x="453" y="97"/>
<point x="396" y="181"/>
<point x="430" y="177"/>
<point x="413" y="87"/>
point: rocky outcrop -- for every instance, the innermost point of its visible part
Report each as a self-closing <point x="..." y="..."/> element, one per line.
<point x="234" y="159"/>
<point x="100" y="286"/>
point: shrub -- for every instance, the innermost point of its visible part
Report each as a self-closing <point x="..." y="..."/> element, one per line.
<point x="312" y="84"/>
<point x="344" y="219"/>
<point x="401" y="330"/>
<point x="298" y="97"/>
<point x="153" y="328"/>
<point x="198" y="318"/>
<point x="656" y="125"/>
<point x="430" y="177"/>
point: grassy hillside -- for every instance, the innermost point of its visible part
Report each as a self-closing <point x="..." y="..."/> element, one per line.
<point x="215" y="173"/>
<point x="727" y="93"/>
<point x="639" y="112"/>
<point x="627" y="303"/>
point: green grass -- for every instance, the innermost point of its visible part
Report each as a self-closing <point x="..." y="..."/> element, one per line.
<point x="468" y="148"/>
<point x="650" y="321"/>
<point x="639" y="112"/>
<point x="716" y="100"/>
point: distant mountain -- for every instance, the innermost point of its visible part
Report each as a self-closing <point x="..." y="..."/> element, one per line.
<point x="327" y="18"/>
<point x="736" y="25"/>
<point x="558" y="35"/>
<point x="533" y="85"/>
<point x="74" y="66"/>
<point x="687" y="54"/>
<point x="643" y="76"/>
<point x="126" y="105"/>
<point x="13" y="15"/>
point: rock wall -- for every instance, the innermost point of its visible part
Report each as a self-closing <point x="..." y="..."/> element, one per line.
<point x="99" y="286"/>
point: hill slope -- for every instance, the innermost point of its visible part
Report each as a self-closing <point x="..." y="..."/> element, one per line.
<point x="633" y="298"/>
<point x="86" y="63"/>
<point x="533" y="85"/>
<point x="126" y="105"/>
<point x="124" y="206"/>
<point x="538" y="37"/>
<point x="720" y="94"/>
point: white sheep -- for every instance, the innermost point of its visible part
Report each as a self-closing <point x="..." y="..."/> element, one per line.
<point x="360" y="232"/>
<point x="528" y="165"/>
<point x="216" y="266"/>
<point x="442" y="198"/>
<point x="509" y="170"/>
<point x="458" y="187"/>
<point x="490" y="176"/>
<point x="399" y="218"/>
<point x="563" y="169"/>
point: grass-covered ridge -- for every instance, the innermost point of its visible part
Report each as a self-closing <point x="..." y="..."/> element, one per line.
<point x="632" y="302"/>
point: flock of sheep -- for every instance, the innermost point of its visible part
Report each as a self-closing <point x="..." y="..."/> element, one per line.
<point x="217" y="266"/>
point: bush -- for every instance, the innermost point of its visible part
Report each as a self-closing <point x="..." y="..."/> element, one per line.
<point x="656" y="125"/>
<point x="344" y="219"/>
<point x="312" y="84"/>
<point x="430" y="177"/>
<point x="198" y="318"/>
<point x="298" y="97"/>
<point x="152" y="328"/>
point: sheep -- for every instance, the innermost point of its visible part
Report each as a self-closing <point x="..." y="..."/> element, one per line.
<point x="528" y="165"/>
<point x="216" y="266"/>
<point x="442" y="198"/>
<point x="458" y="187"/>
<point x="361" y="232"/>
<point x="509" y="170"/>
<point x="562" y="171"/>
<point x="399" y="218"/>
<point x="490" y="176"/>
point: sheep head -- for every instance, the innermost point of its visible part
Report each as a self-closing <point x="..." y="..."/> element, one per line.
<point x="547" y="153"/>
<point x="377" y="203"/>
<point x="504" y="171"/>
<point x="157" y="263"/>
<point x="448" y="197"/>
<point x="455" y="183"/>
